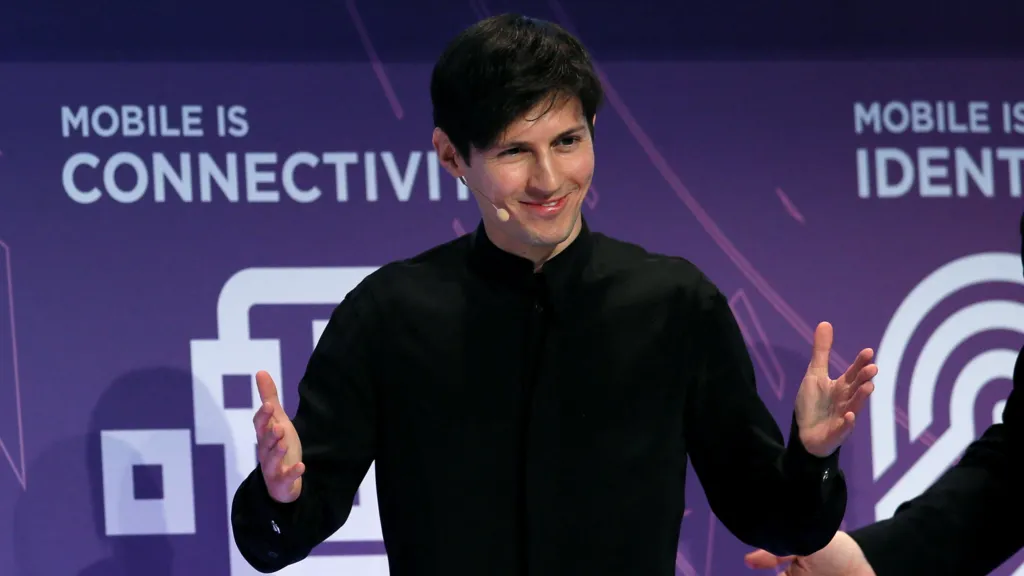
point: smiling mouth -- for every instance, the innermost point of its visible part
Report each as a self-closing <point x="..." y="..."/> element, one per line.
<point x="550" y="203"/>
<point x="548" y="209"/>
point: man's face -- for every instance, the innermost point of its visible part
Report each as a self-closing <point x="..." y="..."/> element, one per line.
<point x="539" y="170"/>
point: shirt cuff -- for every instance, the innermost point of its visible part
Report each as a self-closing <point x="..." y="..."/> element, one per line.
<point x="806" y="468"/>
<point x="886" y="553"/>
<point x="279" y="517"/>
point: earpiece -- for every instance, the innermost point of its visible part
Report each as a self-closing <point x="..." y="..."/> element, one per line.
<point x="501" y="213"/>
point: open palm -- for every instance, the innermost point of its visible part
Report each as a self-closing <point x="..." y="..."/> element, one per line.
<point x="826" y="408"/>
<point x="277" y="444"/>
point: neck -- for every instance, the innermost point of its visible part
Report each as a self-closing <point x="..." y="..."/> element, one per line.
<point x="538" y="254"/>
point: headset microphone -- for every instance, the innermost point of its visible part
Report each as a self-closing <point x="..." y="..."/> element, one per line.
<point x="502" y="214"/>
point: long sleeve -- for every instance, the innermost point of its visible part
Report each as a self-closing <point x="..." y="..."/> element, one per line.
<point x="972" y="513"/>
<point x="335" y="421"/>
<point x="768" y="494"/>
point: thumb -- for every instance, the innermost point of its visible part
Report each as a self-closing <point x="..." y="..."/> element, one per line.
<point x="760" y="559"/>
<point x="267" y="388"/>
<point x="821" y="348"/>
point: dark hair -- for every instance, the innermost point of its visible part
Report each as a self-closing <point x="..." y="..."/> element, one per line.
<point x="499" y="69"/>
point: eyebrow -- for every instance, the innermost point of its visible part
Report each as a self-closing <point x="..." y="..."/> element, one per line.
<point x="517" y="144"/>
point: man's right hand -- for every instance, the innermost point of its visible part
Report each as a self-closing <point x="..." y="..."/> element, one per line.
<point x="842" y="557"/>
<point x="278" y="447"/>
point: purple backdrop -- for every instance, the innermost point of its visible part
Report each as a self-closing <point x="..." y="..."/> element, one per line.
<point x="133" y="319"/>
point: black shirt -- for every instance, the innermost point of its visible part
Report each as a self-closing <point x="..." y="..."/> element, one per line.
<point x="538" y="423"/>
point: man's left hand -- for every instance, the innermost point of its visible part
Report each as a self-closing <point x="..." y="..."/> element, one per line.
<point x="826" y="408"/>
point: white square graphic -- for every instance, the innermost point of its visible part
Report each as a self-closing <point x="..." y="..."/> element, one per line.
<point x="121" y="450"/>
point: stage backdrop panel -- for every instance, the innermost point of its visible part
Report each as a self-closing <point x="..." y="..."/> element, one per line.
<point x="168" y="230"/>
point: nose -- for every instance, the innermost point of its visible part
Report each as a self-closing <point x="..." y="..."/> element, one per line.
<point x="545" y="176"/>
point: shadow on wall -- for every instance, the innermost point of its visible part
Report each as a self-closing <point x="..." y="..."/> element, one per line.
<point x="63" y="520"/>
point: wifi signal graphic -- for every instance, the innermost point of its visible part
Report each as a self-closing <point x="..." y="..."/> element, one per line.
<point x="990" y="364"/>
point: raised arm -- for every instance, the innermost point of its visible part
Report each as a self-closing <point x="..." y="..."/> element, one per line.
<point x="335" y="422"/>
<point x="768" y="494"/>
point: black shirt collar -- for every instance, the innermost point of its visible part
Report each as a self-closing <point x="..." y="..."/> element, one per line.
<point x="558" y="277"/>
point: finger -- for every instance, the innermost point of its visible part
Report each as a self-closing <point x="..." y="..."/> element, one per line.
<point x="293" y="473"/>
<point x="849" y="390"/>
<point x="273" y="458"/>
<point x="821" y="348"/>
<point x="764" y="559"/>
<point x="860" y="396"/>
<point x="273" y="438"/>
<point x="866" y="373"/>
<point x="270" y="438"/>
<point x="845" y="427"/>
<point x="862" y="362"/>
<point x="267" y="388"/>
<point x="261" y="418"/>
<point x="263" y="450"/>
<point x="267" y="438"/>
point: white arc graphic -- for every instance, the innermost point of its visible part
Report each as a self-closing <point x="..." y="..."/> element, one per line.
<point x="988" y="366"/>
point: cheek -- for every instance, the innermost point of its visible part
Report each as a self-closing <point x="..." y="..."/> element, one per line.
<point x="581" y="170"/>
<point x="506" y="182"/>
<point x="578" y="164"/>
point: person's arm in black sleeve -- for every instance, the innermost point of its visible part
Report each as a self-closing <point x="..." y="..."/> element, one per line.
<point x="968" y="521"/>
<point x="335" y="421"/>
<point x="768" y="494"/>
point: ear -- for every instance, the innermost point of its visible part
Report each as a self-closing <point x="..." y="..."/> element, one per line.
<point x="593" y="120"/>
<point x="447" y="155"/>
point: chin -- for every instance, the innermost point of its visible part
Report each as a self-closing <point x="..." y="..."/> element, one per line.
<point x="547" y="240"/>
<point x="550" y="234"/>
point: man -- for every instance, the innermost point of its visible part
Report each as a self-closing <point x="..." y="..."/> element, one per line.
<point x="530" y="392"/>
<point x="967" y="523"/>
